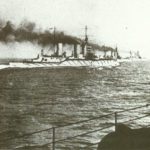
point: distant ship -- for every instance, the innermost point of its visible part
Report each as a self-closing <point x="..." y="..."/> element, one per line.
<point x="132" y="56"/>
<point x="82" y="55"/>
<point x="135" y="55"/>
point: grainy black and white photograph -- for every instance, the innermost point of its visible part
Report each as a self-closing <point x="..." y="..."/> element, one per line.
<point x="74" y="75"/>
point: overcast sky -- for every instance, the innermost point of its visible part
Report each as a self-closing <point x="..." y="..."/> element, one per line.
<point x="125" y="23"/>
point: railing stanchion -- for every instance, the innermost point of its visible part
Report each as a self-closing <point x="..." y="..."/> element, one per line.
<point x="53" y="144"/>
<point x="115" y="121"/>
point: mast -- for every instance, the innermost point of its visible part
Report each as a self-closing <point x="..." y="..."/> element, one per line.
<point x="86" y="42"/>
<point x="86" y="37"/>
<point x="54" y="39"/>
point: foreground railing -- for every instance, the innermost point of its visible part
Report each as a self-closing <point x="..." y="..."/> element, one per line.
<point x="124" y="116"/>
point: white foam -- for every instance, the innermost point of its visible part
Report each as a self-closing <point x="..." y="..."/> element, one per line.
<point x="4" y="66"/>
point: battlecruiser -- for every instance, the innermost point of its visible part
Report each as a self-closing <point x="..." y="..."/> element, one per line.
<point x="81" y="54"/>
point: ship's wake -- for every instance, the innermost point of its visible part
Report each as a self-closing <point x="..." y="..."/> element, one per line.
<point x="4" y="66"/>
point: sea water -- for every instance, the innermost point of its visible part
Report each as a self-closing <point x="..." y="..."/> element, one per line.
<point x="40" y="98"/>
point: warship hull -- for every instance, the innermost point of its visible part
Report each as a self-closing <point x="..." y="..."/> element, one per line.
<point x="67" y="63"/>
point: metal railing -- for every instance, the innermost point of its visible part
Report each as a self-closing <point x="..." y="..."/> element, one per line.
<point x="116" y="115"/>
<point x="116" y="121"/>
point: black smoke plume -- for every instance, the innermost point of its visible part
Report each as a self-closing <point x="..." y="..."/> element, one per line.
<point x="27" y="31"/>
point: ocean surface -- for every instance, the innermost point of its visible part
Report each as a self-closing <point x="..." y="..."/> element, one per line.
<point x="37" y="99"/>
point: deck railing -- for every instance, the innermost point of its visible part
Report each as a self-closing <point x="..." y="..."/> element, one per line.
<point x="119" y="117"/>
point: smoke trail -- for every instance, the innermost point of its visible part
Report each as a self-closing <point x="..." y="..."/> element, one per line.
<point x="26" y="31"/>
<point x="19" y="50"/>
